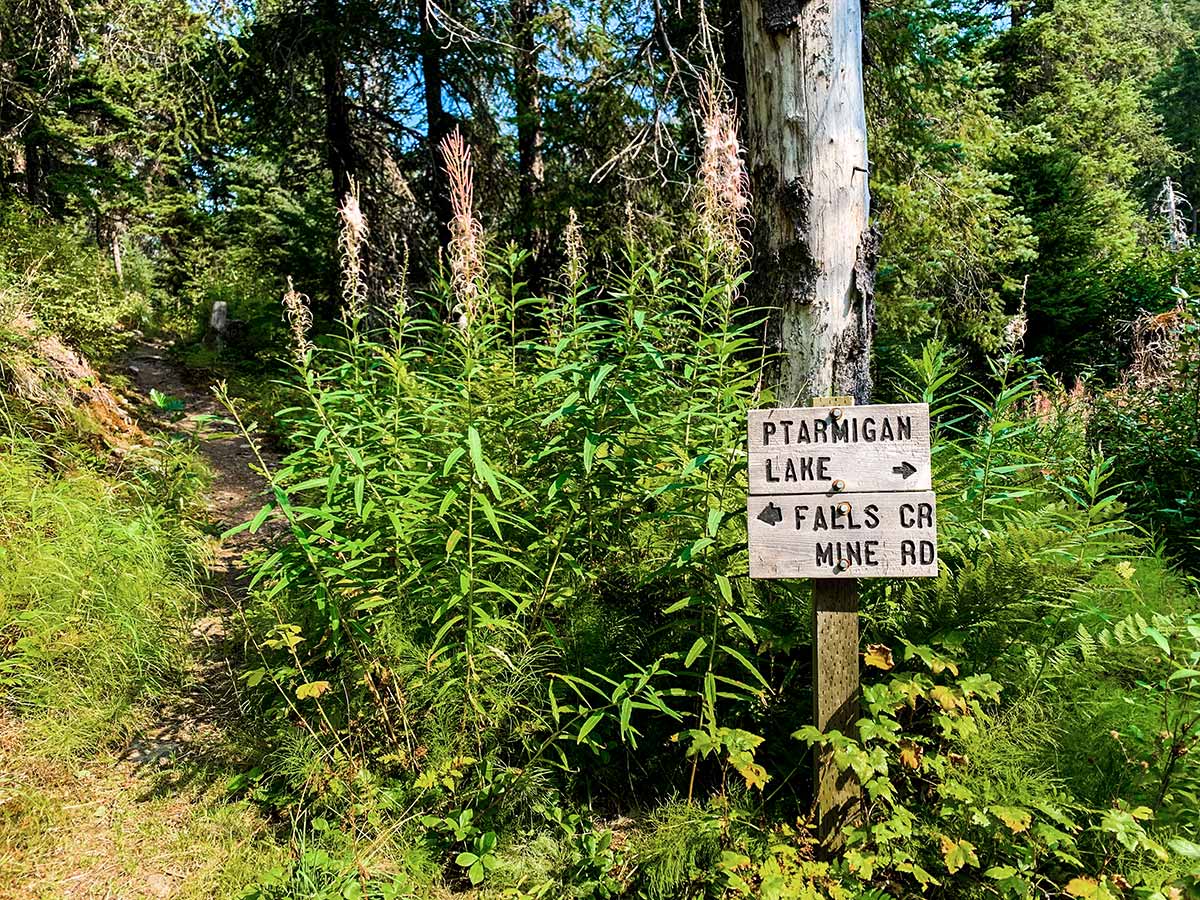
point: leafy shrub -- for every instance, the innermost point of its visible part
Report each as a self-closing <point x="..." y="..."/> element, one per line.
<point x="516" y="576"/>
<point x="1151" y="426"/>
<point x="995" y="753"/>
<point x="50" y="272"/>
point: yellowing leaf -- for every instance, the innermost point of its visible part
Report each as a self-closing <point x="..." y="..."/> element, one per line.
<point x="910" y="754"/>
<point x="1017" y="820"/>
<point x="312" y="689"/>
<point x="756" y="776"/>
<point x="1082" y="887"/>
<point x="958" y="854"/>
<point x="1126" y="570"/>
<point x="879" y="656"/>
<point x="946" y="699"/>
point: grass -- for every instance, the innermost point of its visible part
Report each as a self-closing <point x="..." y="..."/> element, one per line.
<point x="94" y="593"/>
<point x="100" y="828"/>
<point x="99" y="584"/>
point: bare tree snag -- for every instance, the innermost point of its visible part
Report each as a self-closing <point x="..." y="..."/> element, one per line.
<point x="807" y="138"/>
<point x="814" y="268"/>
<point x="438" y="122"/>
<point x="527" y="93"/>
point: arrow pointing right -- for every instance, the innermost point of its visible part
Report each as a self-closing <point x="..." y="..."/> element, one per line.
<point x="905" y="470"/>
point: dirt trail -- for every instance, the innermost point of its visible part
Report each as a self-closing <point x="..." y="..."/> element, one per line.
<point x="153" y="820"/>
<point x="235" y="495"/>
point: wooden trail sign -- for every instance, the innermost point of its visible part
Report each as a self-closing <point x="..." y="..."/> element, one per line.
<point x="841" y="492"/>
<point x="843" y="536"/>
<point x="865" y="448"/>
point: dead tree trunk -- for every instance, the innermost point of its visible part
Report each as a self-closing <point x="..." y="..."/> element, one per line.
<point x="814" y="262"/>
<point x="339" y="138"/>
<point x="807" y="141"/>
<point x="529" y="125"/>
<point x="438" y="123"/>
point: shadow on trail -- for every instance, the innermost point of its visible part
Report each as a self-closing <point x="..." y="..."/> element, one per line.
<point x="195" y="725"/>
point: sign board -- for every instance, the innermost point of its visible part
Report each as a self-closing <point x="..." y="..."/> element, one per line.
<point x="841" y="492"/>
<point x="885" y="535"/>
<point x="866" y="448"/>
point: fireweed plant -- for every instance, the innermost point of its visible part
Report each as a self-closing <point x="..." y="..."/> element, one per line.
<point x="512" y="609"/>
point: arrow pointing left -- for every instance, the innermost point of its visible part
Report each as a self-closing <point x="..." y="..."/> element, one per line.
<point x="771" y="514"/>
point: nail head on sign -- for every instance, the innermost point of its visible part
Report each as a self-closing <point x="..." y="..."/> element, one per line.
<point x="836" y="413"/>
<point x="839" y="485"/>
<point x="844" y="508"/>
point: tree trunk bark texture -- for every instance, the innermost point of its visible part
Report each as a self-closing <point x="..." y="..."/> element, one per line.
<point x="339" y="137"/>
<point x="814" y="247"/>
<point x="438" y="124"/>
<point x="529" y="122"/>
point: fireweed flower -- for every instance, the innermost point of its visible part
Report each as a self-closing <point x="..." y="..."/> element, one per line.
<point x="466" y="231"/>
<point x="299" y="319"/>
<point x="724" y="184"/>
<point x="352" y="237"/>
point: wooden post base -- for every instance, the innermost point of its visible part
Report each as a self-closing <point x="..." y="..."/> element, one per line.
<point x="835" y="703"/>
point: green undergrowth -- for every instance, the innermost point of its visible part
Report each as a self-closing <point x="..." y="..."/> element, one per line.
<point x="51" y="271"/>
<point x="100" y="553"/>
<point x="507" y="646"/>
<point x="101" y="567"/>
<point x="95" y="588"/>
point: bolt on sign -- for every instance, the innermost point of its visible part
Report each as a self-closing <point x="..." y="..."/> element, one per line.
<point x="841" y="492"/>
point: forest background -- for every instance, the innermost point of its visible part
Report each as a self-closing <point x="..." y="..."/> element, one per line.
<point x="500" y="639"/>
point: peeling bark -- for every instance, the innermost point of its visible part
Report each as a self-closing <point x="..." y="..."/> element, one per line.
<point x="779" y="16"/>
<point x="814" y="249"/>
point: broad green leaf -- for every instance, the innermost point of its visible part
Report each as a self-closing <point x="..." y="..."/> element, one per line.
<point x="490" y="513"/>
<point x="626" y="713"/>
<point x="1184" y="847"/>
<point x="588" y="726"/>
<point x="742" y="625"/>
<point x="746" y="664"/>
<point x="1158" y="637"/>
<point x="590" y="443"/>
<point x="598" y="379"/>
<point x="454" y="456"/>
<point x="482" y="469"/>
<point x="727" y="591"/>
<point x="714" y="521"/>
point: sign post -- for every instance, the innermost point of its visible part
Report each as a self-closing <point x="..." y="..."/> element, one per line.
<point x="840" y="492"/>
